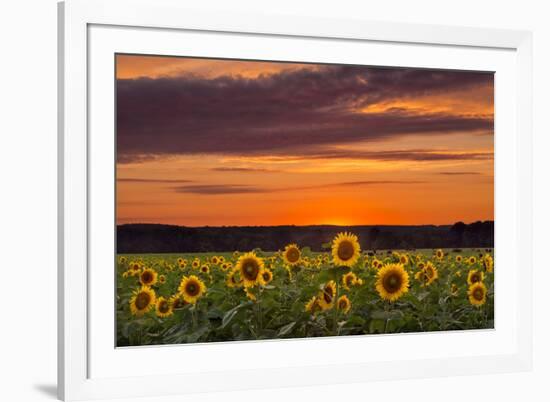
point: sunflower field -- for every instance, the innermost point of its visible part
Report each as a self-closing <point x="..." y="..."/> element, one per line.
<point x="296" y="293"/>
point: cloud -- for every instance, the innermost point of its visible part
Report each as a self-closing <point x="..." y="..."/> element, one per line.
<point x="459" y="173"/>
<point x="142" y="180"/>
<point x="218" y="189"/>
<point x="242" y="170"/>
<point x="279" y="112"/>
<point x="221" y="189"/>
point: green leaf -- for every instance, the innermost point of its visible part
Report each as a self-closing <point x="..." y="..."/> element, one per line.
<point x="230" y="314"/>
<point x="286" y="329"/>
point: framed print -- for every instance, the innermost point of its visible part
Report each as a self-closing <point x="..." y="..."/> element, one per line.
<point x="246" y="194"/>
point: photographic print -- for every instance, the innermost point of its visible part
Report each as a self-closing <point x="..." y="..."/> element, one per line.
<point x="269" y="200"/>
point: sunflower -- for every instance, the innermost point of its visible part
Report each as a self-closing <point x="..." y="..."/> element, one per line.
<point x="345" y="249"/>
<point x="196" y="263"/>
<point x="428" y="274"/>
<point x="488" y="263"/>
<point x="477" y="294"/>
<point x="191" y="288"/>
<point x="205" y="269"/>
<point x="135" y="266"/>
<point x="344" y="304"/>
<point x="162" y="279"/>
<point x="250" y="294"/>
<point x="221" y="259"/>
<point x="266" y="276"/>
<point x="249" y="267"/>
<point x="292" y="254"/>
<point x="215" y="260"/>
<point x="142" y="301"/>
<point x="475" y="276"/>
<point x="349" y="280"/>
<point x="177" y="301"/>
<point x="403" y="259"/>
<point x="180" y="261"/>
<point x="327" y="295"/>
<point x="122" y="260"/>
<point x="163" y="308"/>
<point x="148" y="277"/>
<point x="392" y="282"/>
<point x="458" y="259"/>
<point x="232" y="280"/>
<point x="439" y="254"/>
<point x="472" y="260"/>
<point x="312" y="306"/>
<point x="454" y="289"/>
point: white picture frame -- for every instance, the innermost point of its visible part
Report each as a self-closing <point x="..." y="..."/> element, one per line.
<point x="88" y="367"/>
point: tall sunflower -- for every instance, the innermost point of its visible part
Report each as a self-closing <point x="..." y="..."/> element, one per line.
<point x="439" y="254"/>
<point x="345" y="249"/>
<point x="163" y="307"/>
<point x="477" y="294"/>
<point x="249" y="267"/>
<point x="392" y="282"/>
<point x="148" y="277"/>
<point x="292" y="254"/>
<point x="143" y="299"/>
<point x="191" y="289"/>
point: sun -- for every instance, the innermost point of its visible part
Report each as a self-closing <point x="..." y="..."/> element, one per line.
<point x="345" y="249"/>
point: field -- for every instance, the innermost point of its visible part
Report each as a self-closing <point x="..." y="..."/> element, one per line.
<point x="295" y="293"/>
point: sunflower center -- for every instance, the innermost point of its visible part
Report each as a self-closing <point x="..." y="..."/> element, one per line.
<point x="345" y="250"/>
<point x="343" y="304"/>
<point x="478" y="294"/>
<point x="266" y="276"/>
<point x="349" y="280"/>
<point x="164" y="306"/>
<point x="142" y="300"/>
<point x="293" y="254"/>
<point x="250" y="269"/>
<point x="327" y="295"/>
<point x="392" y="282"/>
<point x="146" y="277"/>
<point x="192" y="289"/>
<point x="475" y="278"/>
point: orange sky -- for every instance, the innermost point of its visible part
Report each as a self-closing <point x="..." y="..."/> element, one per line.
<point x="221" y="142"/>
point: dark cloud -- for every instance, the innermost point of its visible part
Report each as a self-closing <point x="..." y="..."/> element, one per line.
<point x="220" y="189"/>
<point x="293" y="109"/>
<point x="242" y="170"/>
<point x="142" y="180"/>
<point x="459" y="173"/>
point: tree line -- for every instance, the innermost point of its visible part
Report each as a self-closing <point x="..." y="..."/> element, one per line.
<point x="156" y="238"/>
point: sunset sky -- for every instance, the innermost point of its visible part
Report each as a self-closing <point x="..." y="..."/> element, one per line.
<point x="223" y="142"/>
